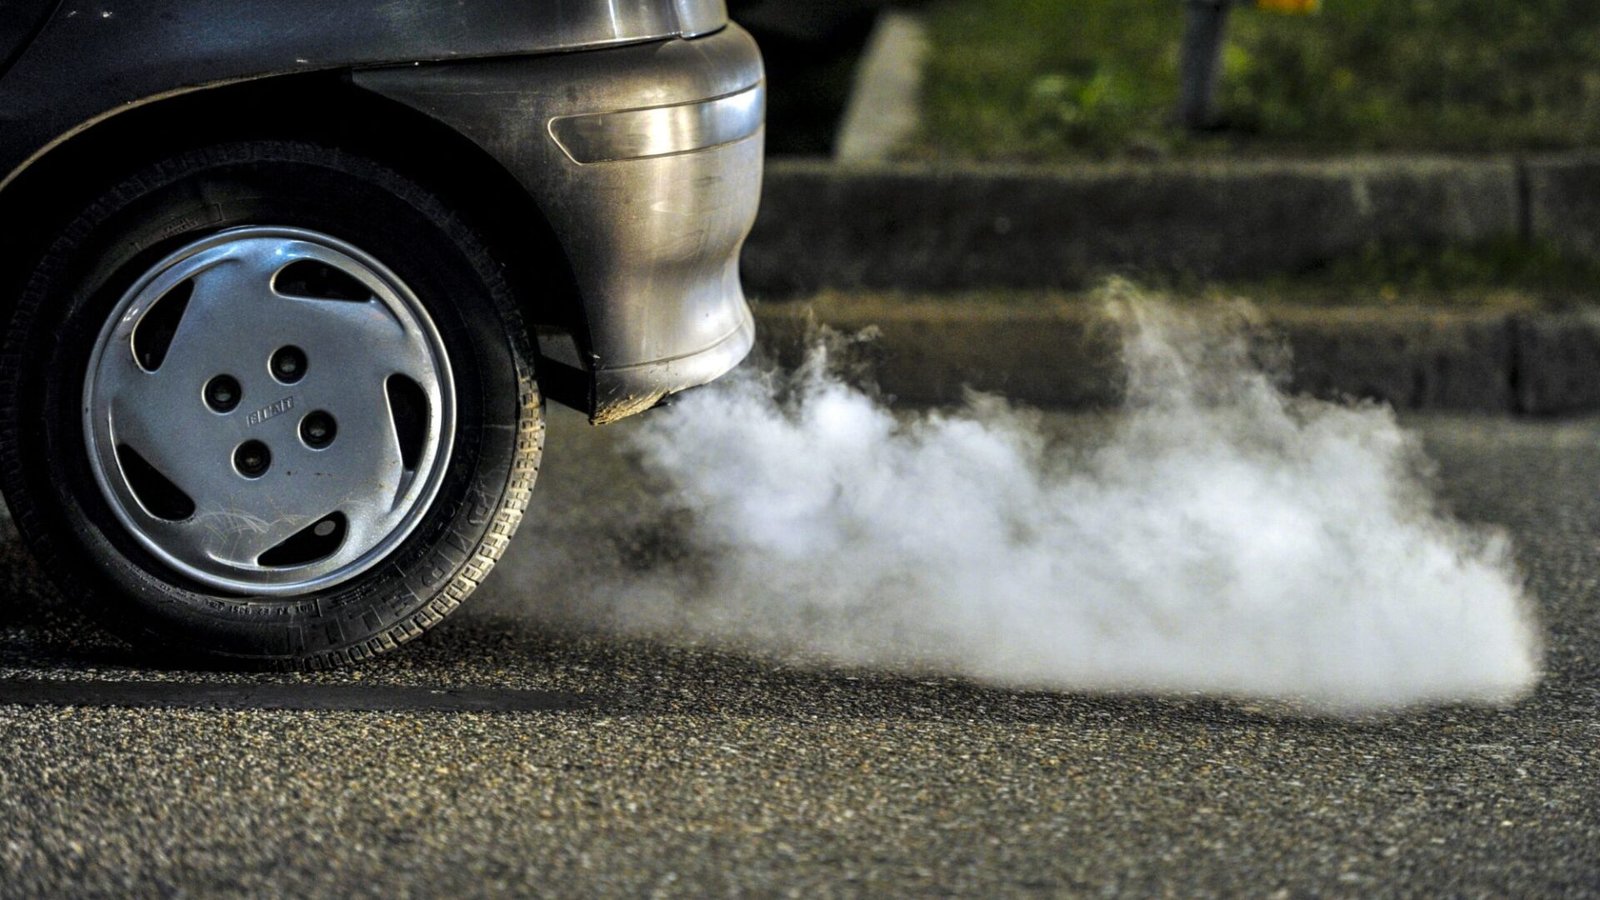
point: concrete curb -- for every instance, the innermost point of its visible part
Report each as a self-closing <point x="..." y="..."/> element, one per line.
<point x="1067" y="356"/>
<point x="937" y="228"/>
<point x="882" y="113"/>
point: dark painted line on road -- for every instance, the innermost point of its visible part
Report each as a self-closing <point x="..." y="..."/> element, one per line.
<point x="318" y="697"/>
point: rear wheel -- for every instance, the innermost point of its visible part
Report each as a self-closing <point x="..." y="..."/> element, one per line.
<point x="271" y="402"/>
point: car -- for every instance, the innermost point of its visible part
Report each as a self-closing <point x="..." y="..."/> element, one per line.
<point x="287" y="284"/>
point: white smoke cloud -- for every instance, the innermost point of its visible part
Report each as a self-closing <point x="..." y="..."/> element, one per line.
<point x="1214" y="536"/>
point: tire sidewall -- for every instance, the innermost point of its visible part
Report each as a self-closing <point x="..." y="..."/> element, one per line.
<point x="49" y="482"/>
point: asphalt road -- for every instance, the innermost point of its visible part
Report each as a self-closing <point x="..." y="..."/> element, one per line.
<point x="500" y="756"/>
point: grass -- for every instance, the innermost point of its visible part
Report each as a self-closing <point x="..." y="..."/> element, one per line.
<point x="1494" y="276"/>
<point x="1500" y="273"/>
<point x="1047" y="80"/>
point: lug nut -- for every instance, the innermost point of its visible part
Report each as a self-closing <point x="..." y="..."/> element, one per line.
<point x="317" y="429"/>
<point x="288" y="364"/>
<point x="222" y="393"/>
<point x="252" y="458"/>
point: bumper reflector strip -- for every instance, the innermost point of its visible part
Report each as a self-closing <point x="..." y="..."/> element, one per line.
<point x="661" y="130"/>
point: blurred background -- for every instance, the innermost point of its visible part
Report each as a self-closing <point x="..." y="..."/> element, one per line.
<point x="1054" y="80"/>
<point x="1413" y="175"/>
<point x="812" y="50"/>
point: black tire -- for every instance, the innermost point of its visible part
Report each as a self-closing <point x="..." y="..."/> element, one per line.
<point x="45" y="465"/>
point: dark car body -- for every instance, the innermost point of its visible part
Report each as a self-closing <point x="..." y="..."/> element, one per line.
<point x="615" y="146"/>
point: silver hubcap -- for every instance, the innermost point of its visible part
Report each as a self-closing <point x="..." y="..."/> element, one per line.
<point x="269" y="410"/>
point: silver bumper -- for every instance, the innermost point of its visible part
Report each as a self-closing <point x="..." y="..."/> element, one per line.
<point x="646" y="160"/>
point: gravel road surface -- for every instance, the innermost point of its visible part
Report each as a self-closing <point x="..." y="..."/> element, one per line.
<point x="500" y="756"/>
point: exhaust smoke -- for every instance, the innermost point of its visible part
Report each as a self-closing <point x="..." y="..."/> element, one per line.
<point x="1215" y="535"/>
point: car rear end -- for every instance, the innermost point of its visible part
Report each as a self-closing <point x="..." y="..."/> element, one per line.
<point x="287" y="283"/>
<point x="647" y="161"/>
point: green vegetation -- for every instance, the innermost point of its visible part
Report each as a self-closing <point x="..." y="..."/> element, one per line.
<point x="1495" y="276"/>
<point x="1042" y="80"/>
<point x="1492" y="273"/>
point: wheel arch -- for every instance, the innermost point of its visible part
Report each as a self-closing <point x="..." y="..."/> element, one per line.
<point x="41" y="198"/>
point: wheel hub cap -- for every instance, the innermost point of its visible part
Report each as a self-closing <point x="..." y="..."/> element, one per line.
<point x="269" y="411"/>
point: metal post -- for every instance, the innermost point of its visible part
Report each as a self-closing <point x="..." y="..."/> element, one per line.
<point x="1206" y="23"/>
